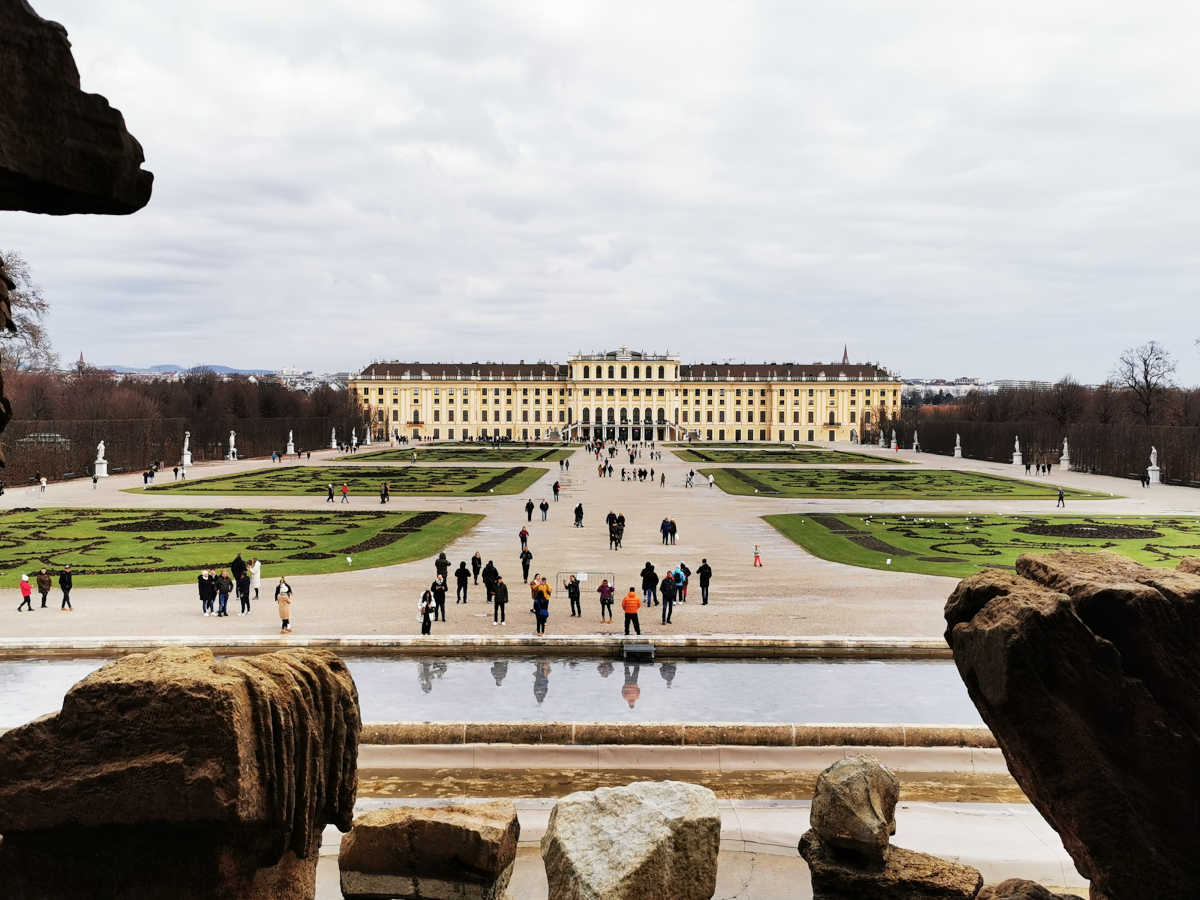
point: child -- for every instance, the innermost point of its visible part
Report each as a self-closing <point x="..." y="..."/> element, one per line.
<point x="757" y="557"/>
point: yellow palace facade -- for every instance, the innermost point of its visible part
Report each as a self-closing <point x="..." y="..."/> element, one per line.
<point x="626" y="395"/>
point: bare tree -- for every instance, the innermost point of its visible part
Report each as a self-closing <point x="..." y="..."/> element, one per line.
<point x="29" y="346"/>
<point x="1145" y="372"/>
<point x="1065" y="401"/>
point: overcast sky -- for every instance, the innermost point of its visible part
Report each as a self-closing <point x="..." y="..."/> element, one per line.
<point x="1007" y="189"/>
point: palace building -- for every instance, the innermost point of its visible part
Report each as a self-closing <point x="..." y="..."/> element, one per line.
<point x="627" y="395"/>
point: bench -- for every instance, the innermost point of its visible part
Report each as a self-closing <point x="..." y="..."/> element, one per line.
<point x="637" y="651"/>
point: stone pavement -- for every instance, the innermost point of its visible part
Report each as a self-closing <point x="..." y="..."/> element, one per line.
<point x="792" y="594"/>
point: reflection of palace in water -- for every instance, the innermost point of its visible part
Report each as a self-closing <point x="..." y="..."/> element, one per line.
<point x="626" y="395"/>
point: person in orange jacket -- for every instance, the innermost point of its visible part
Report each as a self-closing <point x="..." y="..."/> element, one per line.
<point x="631" y="604"/>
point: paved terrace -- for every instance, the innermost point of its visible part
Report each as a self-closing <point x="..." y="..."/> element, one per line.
<point x="792" y="594"/>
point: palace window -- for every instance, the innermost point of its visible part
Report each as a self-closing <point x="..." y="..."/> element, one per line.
<point x="612" y="372"/>
<point x="587" y="371"/>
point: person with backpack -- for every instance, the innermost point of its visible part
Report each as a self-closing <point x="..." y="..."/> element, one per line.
<point x="541" y="604"/>
<point x="667" y="591"/>
<point x="650" y="584"/>
<point x="438" y="589"/>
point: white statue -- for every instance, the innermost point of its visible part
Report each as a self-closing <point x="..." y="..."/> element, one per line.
<point x="185" y="459"/>
<point x="957" y="441"/>
<point x="100" y="466"/>
<point x="290" y="441"/>
<point x="1017" y="444"/>
<point x="187" y="439"/>
<point x="916" y="440"/>
<point x="232" y="445"/>
<point x="893" y="435"/>
<point x="1153" y="456"/>
<point x="1066" y="450"/>
<point x="353" y="437"/>
<point x="100" y="452"/>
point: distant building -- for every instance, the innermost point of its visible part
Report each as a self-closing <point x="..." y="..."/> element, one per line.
<point x="627" y="395"/>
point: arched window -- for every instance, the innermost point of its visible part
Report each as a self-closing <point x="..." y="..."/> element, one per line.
<point x="649" y="371"/>
<point x="832" y="419"/>
<point x="662" y="416"/>
<point x="649" y="415"/>
<point x="662" y="372"/>
<point x="636" y="372"/>
<point x="612" y="415"/>
<point x="599" y="372"/>
<point x="587" y="418"/>
<point x="866" y="417"/>
<point x="637" y="416"/>
<point x="624" y="416"/>
<point x="624" y="371"/>
<point x="611" y="372"/>
<point x="587" y="371"/>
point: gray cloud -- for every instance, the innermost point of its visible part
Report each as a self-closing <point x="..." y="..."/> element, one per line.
<point x="1007" y="190"/>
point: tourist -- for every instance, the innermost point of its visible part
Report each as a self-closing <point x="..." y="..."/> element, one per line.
<point x="674" y="530"/>
<point x="523" y="537"/>
<point x="204" y="589"/>
<point x="541" y="604"/>
<point x="705" y="573"/>
<point x="43" y="484"/>
<point x="572" y="586"/>
<point x="237" y="567"/>
<point x="441" y="565"/>
<point x="606" y="601"/>
<point x="284" y="595"/>
<point x="579" y="515"/>
<point x="382" y="493"/>
<point x="345" y="492"/>
<point x="438" y="589"/>
<point x="462" y="577"/>
<point x="43" y="585"/>
<point x="26" y="594"/>
<point x="65" y="583"/>
<point x="329" y="493"/>
<point x="529" y="510"/>
<point x="711" y="480"/>
<point x="544" y="507"/>
<point x="243" y="591"/>
<point x="490" y="577"/>
<point x="95" y="482"/>
<point x="631" y="604"/>
<point x="387" y="492"/>
<point x="476" y="565"/>
<point x="556" y="487"/>
<point x="1061" y="499"/>
<point x="224" y="588"/>
<point x="665" y="528"/>
<point x="526" y="558"/>
<point x="255" y="576"/>
<point x="667" y="591"/>
<point x="426" y="608"/>
<point x="500" y="594"/>
<point x="650" y="584"/>
<point x="757" y="558"/>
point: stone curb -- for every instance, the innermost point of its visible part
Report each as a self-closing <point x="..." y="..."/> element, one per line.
<point x="676" y="734"/>
<point x="729" y="646"/>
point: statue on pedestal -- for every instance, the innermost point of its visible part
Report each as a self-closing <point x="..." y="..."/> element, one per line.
<point x="186" y="457"/>
<point x="1153" y="456"/>
<point x="100" y="466"/>
<point x="100" y="452"/>
<point x="957" y="445"/>
<point x="232" y="445"/>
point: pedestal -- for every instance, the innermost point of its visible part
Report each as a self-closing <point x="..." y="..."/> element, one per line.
<point x="333" y="444"/>
<point x="916" y="447"/>
<point x="1017" y="459"/>
<point x="187" y="459"/>
<point x="1152" y="472"/>
<point x="291" y="448"/>
<point x="1064" y="463"/>
<point x="958" y="452"/>
<point x="895" y="446"/>
<point x="102" y="468"/>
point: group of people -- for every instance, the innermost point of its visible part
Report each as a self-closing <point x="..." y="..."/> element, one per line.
<point x="616" y="529"/>
<point x="542" y="505"/>
<point x="45" y="583"/>
<point x="215" y="587"/>
<point x="346" y="493"/>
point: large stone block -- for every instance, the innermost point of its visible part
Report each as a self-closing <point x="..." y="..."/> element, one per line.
<point x="854" y="806"/>
<point x="645" y="841"/>
<point x="174" y="774"/>
<point x="1020" y="889"/>
<point x="61" y="150"/>
<point x="902" y="875"/>
<point x="1085" y="668"/>
<point x="418" y="852"/>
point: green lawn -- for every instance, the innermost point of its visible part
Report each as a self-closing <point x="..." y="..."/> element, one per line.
<point x="130" y="547"/>
<point x="480" y="453"/>
<point x="916" y="484"/>
<point x="960" y="545"/>
<point x="806" y="457"/>
<point x="364" y="481"/>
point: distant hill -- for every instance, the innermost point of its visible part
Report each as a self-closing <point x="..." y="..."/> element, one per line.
<point x="163" y="369"/>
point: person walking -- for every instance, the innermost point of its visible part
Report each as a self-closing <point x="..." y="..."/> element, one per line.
<point x="500" y="595"/>
<point x="345" y="492"/>
<point x="237" y="568"/>
<point x="579" y="515"/>
<point x="650" y="584"/>
<point x="462" y="577"/>
<point x="224" y="588"/>
<point x="476" y="565"/>
<point x="665" y="528"/>
<point x="529" y="510"/>
<point x="686" y="574"/>
<point x="711" y="480"/>
<point x="438" y="589"/>
<point x="556" y="488"/>
<point x="426" y="608"/>
<point x="1061" y="499"/>
<point x="673" y="529"/>
<point x="526" y="559"/>
<point x="667" y="592"/>
<point x="545" y="508"/>
<point x="243" y="591"/>
<point x="572" y="586"/>
<point x="523" y="537"/>
<point x="442" y="565"/>
<point x="26" y="594"/>
<point x="43" y="585"/>
<point x="606" y="601"/>
<point x="631" y="604"/>
<point x="757" y="558"/>
<point x="284" y="595"/>
<point x="490" y="577"/>
<point x="541" y="604"/>
<point x="65" y="583"/>
<point x="255" y="576"/>
<point x="202" y="589"/>
<point x="329" y="493"/>
<point x="705" y="575"/>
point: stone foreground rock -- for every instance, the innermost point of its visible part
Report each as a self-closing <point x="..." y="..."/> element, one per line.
<point x="173" y="774"/>
<point x="646" y="840"/>
<point x="1085" y="667"/>
<point x="903" y="875"/>
<point x="446" y="851"/>
<point x="854" y="806"/>
<point x="61" y="150"/>
<point x="1020" y="889"/>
